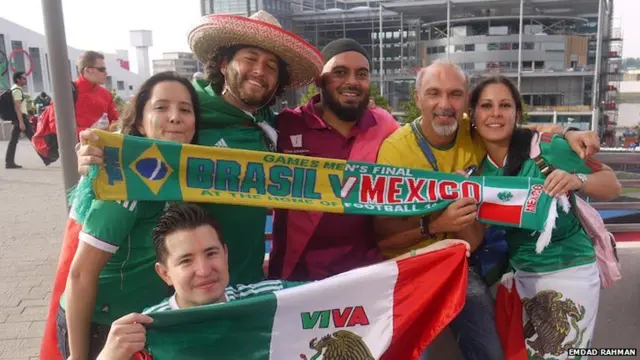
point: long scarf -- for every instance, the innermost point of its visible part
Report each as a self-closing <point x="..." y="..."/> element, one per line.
<point x="142" y="169"/>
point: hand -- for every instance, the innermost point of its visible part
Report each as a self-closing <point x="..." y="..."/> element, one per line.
<point x="87" y="153"/>
<point x="560" y="182"/>
<point x="448" y="243"/>
<point x="584" y="143"/>
<point x="456" y="217"/>
<point x="21" y="125"/>
<point x="126" y="337"/>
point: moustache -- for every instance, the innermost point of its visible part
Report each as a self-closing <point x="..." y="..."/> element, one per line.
<point x="445" y="113"/>
<point x="352" y="89"/>
<point x="262" y="82"/>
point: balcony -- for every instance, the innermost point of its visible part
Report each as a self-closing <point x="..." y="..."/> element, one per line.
<point x="610" y="106"/>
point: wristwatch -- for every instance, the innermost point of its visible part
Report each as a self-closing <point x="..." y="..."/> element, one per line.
<point x="583" y="179"/>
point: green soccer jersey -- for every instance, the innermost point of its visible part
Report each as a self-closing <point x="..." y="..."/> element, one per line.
<point x="570" y="246"/>
<point x="128" y="282"/>
<point x="243" y="227"/>
<point x="233" y="293"/>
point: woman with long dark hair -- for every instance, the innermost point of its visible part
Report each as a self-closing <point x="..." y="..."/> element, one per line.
<point x="557" y="282"/>
<point x="112" y="272"/>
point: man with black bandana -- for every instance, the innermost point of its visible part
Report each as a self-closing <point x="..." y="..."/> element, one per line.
<point x="339" y="124"/>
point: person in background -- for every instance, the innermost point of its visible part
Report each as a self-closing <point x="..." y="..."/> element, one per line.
<point x="41" y="102"/>
<point x="92" y="100"/>
<point x="112" y="272"/>
<point x="20" y="124"/>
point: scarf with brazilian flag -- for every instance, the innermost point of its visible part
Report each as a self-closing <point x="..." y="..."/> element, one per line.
<point x="137" y="168"/>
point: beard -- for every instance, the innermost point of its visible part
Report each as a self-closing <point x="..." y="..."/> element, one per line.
<point x="445" y="130"/>
<point x="345" y="112"/>
<point x="234" y="82"/>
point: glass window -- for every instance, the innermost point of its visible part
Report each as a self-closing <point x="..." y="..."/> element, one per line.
<point x="18" y="58"/>
<point x="5" y="81"/>
<point x="470" y="47"/>
<point x="36" y="63"/>
<point x="505" y="46"/>
<point x="46" y="62"/>
<point x="120" y="84"/>
<point x="459" y="31"/>
<point x="538" y="65"/>
<point x="493" y="46"/>
<point x="499" y="30"/>
<point x="528" y="46"/>
<point x="458" y="48"/>
<point x="109" y="83"/>
<point x="515" y="46"/>
<point x="441" y="49"/>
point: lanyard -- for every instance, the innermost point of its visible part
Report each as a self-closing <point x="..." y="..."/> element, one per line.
<point x="425" y="147"/>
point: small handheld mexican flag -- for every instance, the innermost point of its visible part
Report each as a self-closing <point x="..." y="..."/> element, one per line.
<point x="388" y="311"/>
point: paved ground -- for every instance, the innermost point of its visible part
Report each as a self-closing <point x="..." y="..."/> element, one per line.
<point x="32" y="218"/>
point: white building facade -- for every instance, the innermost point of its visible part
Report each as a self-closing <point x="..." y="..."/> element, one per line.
<point x="184" y="63"/>
<point x="24" y="49"/>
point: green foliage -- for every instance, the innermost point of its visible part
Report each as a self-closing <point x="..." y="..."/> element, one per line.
<point x="525" y="114"/>
<point x="312" y="90"/>
<point x="378" y="99"/>
<point x="120" y="103"/>
<point x="631" y="63"/>
<point x="410" y="108"/>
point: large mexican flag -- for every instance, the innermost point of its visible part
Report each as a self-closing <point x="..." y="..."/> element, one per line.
<point x="391" y="310"/>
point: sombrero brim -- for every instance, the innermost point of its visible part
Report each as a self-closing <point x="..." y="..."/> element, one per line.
<point x="305" y="61"/>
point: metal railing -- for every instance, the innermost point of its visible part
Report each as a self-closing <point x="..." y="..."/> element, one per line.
<point x="627" y="166"/>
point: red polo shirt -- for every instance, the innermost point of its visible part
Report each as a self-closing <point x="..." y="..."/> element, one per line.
<point x="339" y="242"/>
<point x="93" y="101"/>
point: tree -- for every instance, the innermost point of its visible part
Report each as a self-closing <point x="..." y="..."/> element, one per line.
<point x="120" y="104"/>
<point x="378" y="99"/>
<point x="410" y="108"/>
<point x="525" y="114"/>
<point x="312" y="90"/>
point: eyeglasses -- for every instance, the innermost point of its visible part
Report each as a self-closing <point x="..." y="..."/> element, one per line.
<point x="101" y="68"/>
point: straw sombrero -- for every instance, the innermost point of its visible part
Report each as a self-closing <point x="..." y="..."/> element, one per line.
<point x="261" y="30"/>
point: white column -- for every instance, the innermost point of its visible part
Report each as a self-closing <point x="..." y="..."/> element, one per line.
<point x="596" y="72"/>
<point x="448" y="29"/>
<point x="401" y="40"/>
<point x="381" y="58"/>
<point x="520" y="45"/>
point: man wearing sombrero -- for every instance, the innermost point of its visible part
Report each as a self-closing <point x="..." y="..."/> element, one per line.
<point x="249" y="62"/>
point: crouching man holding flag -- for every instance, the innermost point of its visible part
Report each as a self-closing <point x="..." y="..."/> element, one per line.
<point x="374" y="313"/>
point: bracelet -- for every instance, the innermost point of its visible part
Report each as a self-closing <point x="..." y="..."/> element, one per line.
<point x="570" y="128"/>
<point x="424" y="227"/>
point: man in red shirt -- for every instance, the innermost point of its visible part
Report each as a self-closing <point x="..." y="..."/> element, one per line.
<point x="337" y="123"/>
<point x="91" y="100"/>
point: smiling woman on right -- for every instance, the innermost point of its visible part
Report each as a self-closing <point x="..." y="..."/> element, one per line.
<point x="560" y="286"/>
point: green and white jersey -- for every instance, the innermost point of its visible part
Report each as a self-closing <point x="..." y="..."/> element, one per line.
<point x="570" y="246"/>
<point x="128" y="282"/>
<point x="233" y="293"/>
